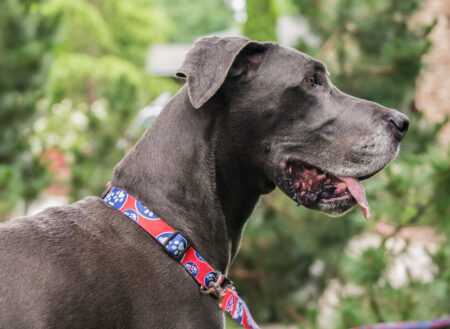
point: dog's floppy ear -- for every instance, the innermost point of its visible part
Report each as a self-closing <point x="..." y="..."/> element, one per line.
<point x="211" y="59"/>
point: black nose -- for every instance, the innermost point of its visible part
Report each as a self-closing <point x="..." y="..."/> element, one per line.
<point x="398" y="124"/>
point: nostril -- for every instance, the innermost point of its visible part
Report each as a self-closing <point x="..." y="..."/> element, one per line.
<point x="400" y="123"/>
<point x="405" y="125"/>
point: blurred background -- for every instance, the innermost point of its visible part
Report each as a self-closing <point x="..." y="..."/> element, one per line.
<point x="81" y="80"/>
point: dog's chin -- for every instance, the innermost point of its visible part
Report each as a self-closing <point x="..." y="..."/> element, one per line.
<point x="316" y="189"/>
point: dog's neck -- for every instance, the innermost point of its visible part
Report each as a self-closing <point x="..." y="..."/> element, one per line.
<point x="185" y="174"/>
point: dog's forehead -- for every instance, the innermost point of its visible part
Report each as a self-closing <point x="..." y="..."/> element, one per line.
<point x="298" y="61"/>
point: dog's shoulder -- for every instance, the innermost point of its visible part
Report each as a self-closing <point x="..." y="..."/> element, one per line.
<point x="53" y="217"/>
<point x="55" y="227"/>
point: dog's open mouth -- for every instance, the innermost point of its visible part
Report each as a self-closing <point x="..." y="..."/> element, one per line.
<point x="317" y="189"/>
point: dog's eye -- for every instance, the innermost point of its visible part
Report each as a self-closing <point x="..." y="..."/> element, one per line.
<point x="311" y="80"/>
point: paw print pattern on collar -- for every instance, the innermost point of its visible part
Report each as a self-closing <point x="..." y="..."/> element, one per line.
<point x="180" y="250"/>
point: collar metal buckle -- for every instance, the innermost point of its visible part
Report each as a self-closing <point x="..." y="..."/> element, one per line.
<point x="218" y="286"/>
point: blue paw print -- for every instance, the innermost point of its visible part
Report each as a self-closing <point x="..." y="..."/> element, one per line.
<point x="116" y="197"/>
<point x="144" y="211"/>
<point x="210" y="277"/>
<point x="132" y="214"/>
<point x="163" y="237"/>
<point x="177" y="245"/>
<point x="239" y="313"/>
<point x="191" y="268"/>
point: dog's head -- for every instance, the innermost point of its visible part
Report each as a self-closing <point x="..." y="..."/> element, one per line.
<point x="289" y="122"/>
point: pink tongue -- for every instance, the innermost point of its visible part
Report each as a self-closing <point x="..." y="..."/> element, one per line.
<point x="357" y="190"/>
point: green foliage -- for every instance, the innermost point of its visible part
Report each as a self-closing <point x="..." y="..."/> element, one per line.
<point x="369" y="267"/>
<point x="261" y="21"/>
<point x="121" y="28"/>
<point x="195" y="18"/>
<point x="23" y="66"/>
<point x="97" y="84"/>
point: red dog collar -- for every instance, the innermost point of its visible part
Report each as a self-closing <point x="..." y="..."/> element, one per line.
<point x="178" y="247"/>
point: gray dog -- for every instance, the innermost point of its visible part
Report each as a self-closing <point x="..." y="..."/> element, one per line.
<point x="251" y="116"/>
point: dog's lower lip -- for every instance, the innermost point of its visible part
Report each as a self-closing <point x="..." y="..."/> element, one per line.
<point x="367" y="176"/>
<point x="337" y="199"/>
